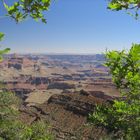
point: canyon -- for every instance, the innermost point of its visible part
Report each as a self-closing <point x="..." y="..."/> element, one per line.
<point x="60" y="89"/>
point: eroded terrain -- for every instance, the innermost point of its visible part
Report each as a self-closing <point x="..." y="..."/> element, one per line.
<point x="62" y="89"/>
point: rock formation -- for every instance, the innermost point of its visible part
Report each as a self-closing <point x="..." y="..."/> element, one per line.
<point x="67" y="115"/>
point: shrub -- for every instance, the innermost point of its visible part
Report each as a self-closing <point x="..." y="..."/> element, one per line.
<point x="10" y="126"/>
<point x="122" y="118"/>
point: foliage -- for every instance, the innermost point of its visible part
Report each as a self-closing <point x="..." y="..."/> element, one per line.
<point x="16" y="130"/>
<point x="129" y="5"/>
<point x="8" y="105"/>
<point x="123" y="116"/>
<point x="10" y="126"/>
<point x="21" y="9"/>
<point x="5" y="50"/>
<point x="40" y="131"/>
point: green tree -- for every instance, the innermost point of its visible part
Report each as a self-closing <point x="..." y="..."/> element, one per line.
<point x="131" y="6"/>
<point x="123" y="116"/>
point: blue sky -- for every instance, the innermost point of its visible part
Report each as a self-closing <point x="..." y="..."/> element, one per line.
<point x="74" y="26"/>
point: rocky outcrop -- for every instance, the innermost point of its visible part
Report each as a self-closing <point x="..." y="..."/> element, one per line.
<point x="101" y="94"/>
<point x="60" y="85"/>
<point x="16" y="66"/>
<point x="38" y="80"/>
<point x="67" y="115"/>
<point x="20" y="62"/>
<point x="79" y="107"/>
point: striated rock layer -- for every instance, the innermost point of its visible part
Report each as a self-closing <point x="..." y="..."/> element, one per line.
<point x="67" y="115"/>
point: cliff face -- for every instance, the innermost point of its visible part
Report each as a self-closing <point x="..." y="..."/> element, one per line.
<point x="67" y="115"/>
<point x="61" y="85"/>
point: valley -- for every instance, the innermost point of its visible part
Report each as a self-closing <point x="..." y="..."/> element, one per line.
<point x="51" y="74"/>
<point x="60" y="89"/>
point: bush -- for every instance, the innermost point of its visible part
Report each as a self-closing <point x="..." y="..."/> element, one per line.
<point x="11" y="128"/>
<point x="122" y="118"/>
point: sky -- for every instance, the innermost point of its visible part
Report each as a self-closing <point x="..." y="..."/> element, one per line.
<point x="73" y="27"/>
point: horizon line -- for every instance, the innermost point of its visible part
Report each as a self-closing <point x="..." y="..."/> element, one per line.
<point x="41" y="53"/>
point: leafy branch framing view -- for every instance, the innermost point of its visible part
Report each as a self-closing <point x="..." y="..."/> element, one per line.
<point x="122" y="118"/>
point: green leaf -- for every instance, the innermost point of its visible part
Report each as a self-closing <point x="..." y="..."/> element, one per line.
<point x="45" y="1"/>
<point x="1" y="36"/>
<point x="4" y="51"/>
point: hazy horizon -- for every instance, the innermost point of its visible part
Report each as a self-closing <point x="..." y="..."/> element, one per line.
<point x="49" y="53"/>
